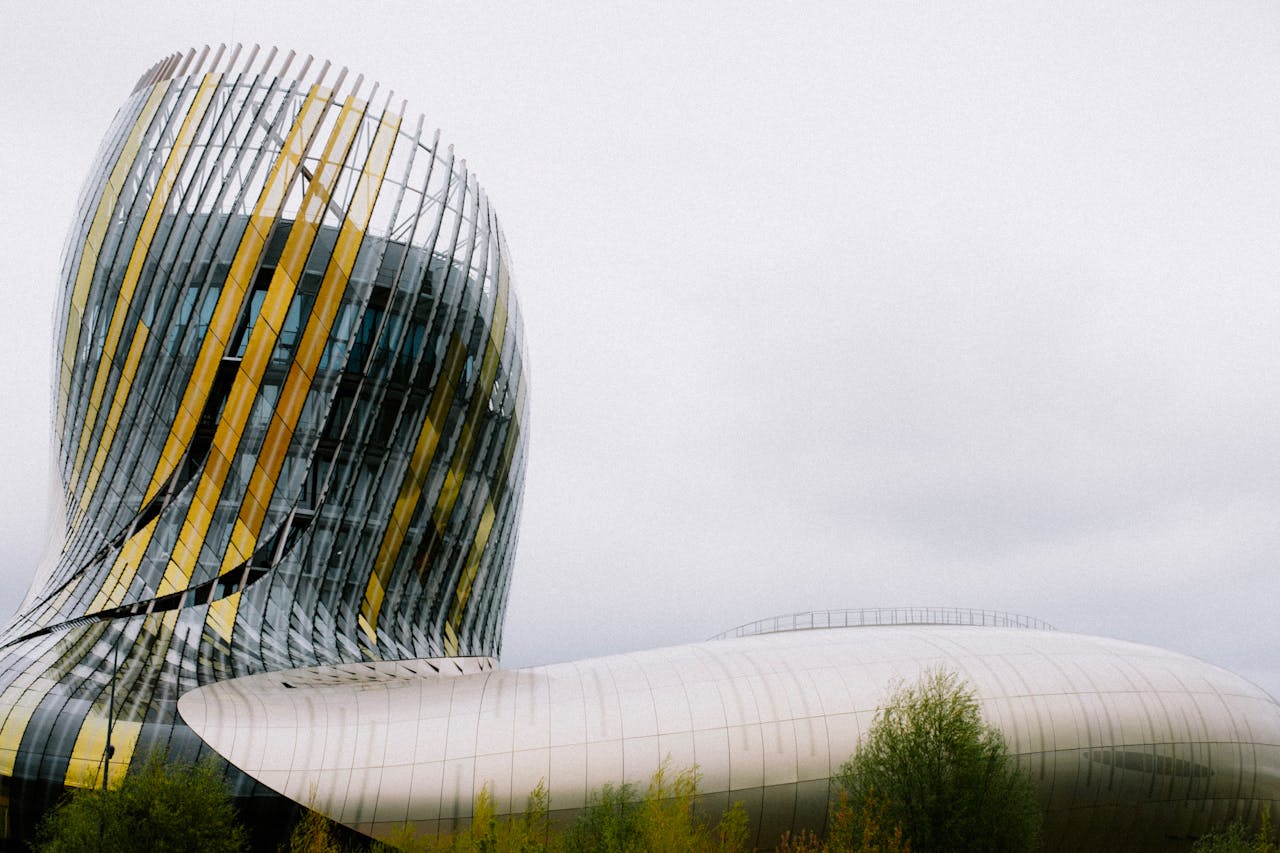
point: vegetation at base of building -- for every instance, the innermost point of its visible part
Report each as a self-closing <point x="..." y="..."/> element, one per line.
<point x="158" y="807"/>
<point x="931" y="776"/>
<point x="315" y="833"/>
<point x="664" y="818"/>
<point x="874" y="833"/>
<point x="933" y="770"/>
<point x="526" y="833"/>
<point x="1235" y="838"/>
<point x="617" y="819"/>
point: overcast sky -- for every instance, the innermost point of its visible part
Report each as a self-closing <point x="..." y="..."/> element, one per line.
<point x="829" y="305"/>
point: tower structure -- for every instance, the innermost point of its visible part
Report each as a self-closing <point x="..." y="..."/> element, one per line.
<point x="290" y="401"/>
<point x="290" y="425"/>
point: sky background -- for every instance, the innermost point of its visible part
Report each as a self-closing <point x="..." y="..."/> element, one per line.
<point x="828" y="305"/>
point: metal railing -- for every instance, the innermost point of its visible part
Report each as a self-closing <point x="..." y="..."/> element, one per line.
<point x="872" y="616"/>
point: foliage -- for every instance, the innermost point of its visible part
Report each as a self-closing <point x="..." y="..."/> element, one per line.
<point x="488" y="833"/>
<point x="807" y="841"/>
<point x="610" y="822"/>
<point x="873" y="833"/>
<point x="868" y="829"/>
<point x="315" y="833"/>
<point x="731" y="830"/>
<point x="1235" y="839"/>
<point x="665" y="818"/>
<point x="157" y="808"/>
<point x="931" y="768"/>
<point x="618" y="819"/>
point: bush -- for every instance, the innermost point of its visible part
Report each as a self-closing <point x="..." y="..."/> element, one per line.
<point x="157" y="808"/>
<point x="618" y="819"/>
<point x="528" y="833"/>
<point x="871" y="834"/>
<point x="1235" y="839"/>
<point x="611" y="822"/>
<point x="931" y="768"/>
<point x="315" y="833"/>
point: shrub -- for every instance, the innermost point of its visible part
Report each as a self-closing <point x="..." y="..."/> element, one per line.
<point x="158" y="808"/>
<point x="618" y="819"/>
<point x="872" y="834"/>
<point x="931" y="767"/>
<point x="1235" y="839"/>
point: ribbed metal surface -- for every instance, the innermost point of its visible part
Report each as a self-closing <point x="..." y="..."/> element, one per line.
<point x="290" y="409"/>
<point x="1130" y="747"/>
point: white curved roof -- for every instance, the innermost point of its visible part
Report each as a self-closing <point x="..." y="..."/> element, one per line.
<point x="1128" y="744"/>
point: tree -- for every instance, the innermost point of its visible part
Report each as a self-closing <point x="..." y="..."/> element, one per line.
<point x="315" y="833"/>
<point x="931" y="767"/>
<point x="611" y="822"/>
<point x="618" y="819"/>
<point x="860" y="830"/>
<point x="1235" y="839"/>
<point x="157" y="808"/>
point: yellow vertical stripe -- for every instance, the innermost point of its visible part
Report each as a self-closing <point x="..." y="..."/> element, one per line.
<point x="84" y="765"/>
<point x="411" y="486"/>
<point x="239" y="279"/>
<point x="112" y="592"/>
<point x="113" y="417"/>
<point x="216" y="340"/>
<point x="262" y="342"/>
<point x="22" y="697"/>
<point x="479" y="402"/>
<point x="93" y="244"/>
<point x="222" y="615"/>
<point x="466" y="582"/>
<point x="472" y="565"/>
<point x="450" y="640"/>
<point x="458" y="466"/>
<point x="297" y="385"/>
<point x="155" y="210"/>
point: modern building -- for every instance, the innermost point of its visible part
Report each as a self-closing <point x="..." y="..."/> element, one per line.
<point x="1130" y="747"/>
<point x="290" y="408"/>
<point x="291" y="420"/>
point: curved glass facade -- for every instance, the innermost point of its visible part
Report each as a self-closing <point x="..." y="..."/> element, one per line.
<point x="290" y="424"/>
<point x="290" y="410"/>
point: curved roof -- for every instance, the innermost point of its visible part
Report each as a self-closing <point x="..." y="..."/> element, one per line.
<point x="1126" y="742"/>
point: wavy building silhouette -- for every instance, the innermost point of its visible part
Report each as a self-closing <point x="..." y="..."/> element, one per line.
<point x="291" y="425"/>
<point x="290" y="399"/>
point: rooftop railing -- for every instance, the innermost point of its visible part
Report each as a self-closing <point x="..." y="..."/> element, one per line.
<point x="872" y="616"/>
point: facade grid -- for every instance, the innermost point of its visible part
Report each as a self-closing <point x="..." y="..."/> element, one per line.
<point x="290" y="411"/>
<point x="291" y="425"/>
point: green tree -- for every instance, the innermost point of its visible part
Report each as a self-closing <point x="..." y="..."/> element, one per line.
<point x="611" y="822"/>
<point x="931" y="767"/>
<point x="852" y="830"/>
<point x="619" y="820"/>
<point x="1235" y="839"/>
<point x="157" y="808"/>
<point x="529" y="832"/>
<point x="315" y="833"/>
<point x="669" y="818"/>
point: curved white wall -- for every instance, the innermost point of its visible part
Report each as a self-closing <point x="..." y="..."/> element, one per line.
<point x="1131" y="747"/>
